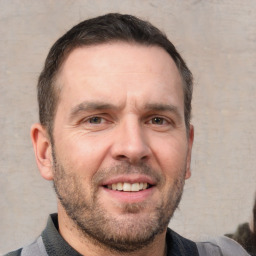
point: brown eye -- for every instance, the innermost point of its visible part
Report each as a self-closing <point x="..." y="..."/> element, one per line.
<point x="157" y="120"/>
<point x="95" y="120"/>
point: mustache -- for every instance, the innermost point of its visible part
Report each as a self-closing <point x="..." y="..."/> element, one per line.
<point x="126" y="168"/>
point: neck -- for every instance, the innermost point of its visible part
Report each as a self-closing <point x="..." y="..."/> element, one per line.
<point x="86" y="245"/>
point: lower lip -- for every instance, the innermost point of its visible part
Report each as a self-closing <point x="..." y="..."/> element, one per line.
<point x="130" y="197"/>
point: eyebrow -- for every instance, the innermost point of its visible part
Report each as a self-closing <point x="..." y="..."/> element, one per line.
<point x="90" y="106"/>
<point x="163" y="108"/>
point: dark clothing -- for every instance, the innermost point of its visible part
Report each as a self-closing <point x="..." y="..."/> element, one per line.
<point x="51" y="243"/>
<point x="244" y="236"/>
<point x="55" y="245"/>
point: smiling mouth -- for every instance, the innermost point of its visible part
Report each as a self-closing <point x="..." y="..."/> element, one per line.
<point x="128" y="187"/>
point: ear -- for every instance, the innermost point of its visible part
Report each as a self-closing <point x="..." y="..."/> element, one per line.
<point x="43" y="150"/>
<point x="190" y="144"/>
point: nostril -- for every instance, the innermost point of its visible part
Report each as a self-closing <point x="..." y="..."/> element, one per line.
<point x="122" y="157"/>
<point x="144" y="158"/>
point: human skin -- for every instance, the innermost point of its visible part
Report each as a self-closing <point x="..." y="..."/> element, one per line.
<point x="120" y="104"/>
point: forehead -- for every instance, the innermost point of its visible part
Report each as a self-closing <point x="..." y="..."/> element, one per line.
<point x="116" y="70"/>
<point x="98" y="57"/>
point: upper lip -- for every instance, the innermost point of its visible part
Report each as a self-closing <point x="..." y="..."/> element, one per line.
<point x="132" y="178"/>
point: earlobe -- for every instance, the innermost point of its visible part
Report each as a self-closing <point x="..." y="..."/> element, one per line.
<point x="43" y="150"/>
<point x="190" y="144"/>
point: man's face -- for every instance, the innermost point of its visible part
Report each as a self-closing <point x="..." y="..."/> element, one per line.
<point x="121" y="152"/>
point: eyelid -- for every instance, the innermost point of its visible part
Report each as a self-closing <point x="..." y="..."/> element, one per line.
<point x="166" y="119"/>
<point x="88" y="118"/>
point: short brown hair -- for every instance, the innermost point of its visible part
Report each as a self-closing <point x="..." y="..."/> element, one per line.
<point x="103" y="29"/>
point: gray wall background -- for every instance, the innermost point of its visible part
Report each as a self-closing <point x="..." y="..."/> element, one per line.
<point x="218" y="40"/>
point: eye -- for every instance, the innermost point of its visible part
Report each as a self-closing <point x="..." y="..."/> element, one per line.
<point x="158" y="120"/>
<point x="95" y="120"/>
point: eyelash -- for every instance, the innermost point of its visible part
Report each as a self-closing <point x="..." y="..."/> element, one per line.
<point x="89" y="119"/>
<point x="158" y="118"/>
<point x="95" y="118"/>
<point x="152" y="120"/>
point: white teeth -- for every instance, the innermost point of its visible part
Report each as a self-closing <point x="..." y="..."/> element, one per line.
<point x="119" y="186"/>
<point x="128" y="187"/>
<point x="135" y="187"/>
<point x="145" y="185"/>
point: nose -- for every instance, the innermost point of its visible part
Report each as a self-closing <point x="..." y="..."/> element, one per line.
<point x="130" y="143"/>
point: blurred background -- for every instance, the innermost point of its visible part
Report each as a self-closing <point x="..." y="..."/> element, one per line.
<point x="218" y="41"/>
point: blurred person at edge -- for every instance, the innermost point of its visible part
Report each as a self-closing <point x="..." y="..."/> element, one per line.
<point x="245" y="233"/>
<point x="115" y="137"/>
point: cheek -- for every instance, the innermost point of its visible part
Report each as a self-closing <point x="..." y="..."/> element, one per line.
<point x="171" y="155"/>
<point x="83" y="155"/>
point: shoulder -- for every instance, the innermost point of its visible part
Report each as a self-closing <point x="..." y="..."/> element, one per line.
<point x="178" y="245"/>
<point x="14" y="253"/>
<point x="222" y="245"/>
<point x="36" y="248"/>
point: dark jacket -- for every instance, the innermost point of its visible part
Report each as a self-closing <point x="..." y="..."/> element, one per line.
<point x="51" y="243"/>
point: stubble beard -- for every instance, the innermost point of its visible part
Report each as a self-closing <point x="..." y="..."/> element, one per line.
<point x="127" y="233"/>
